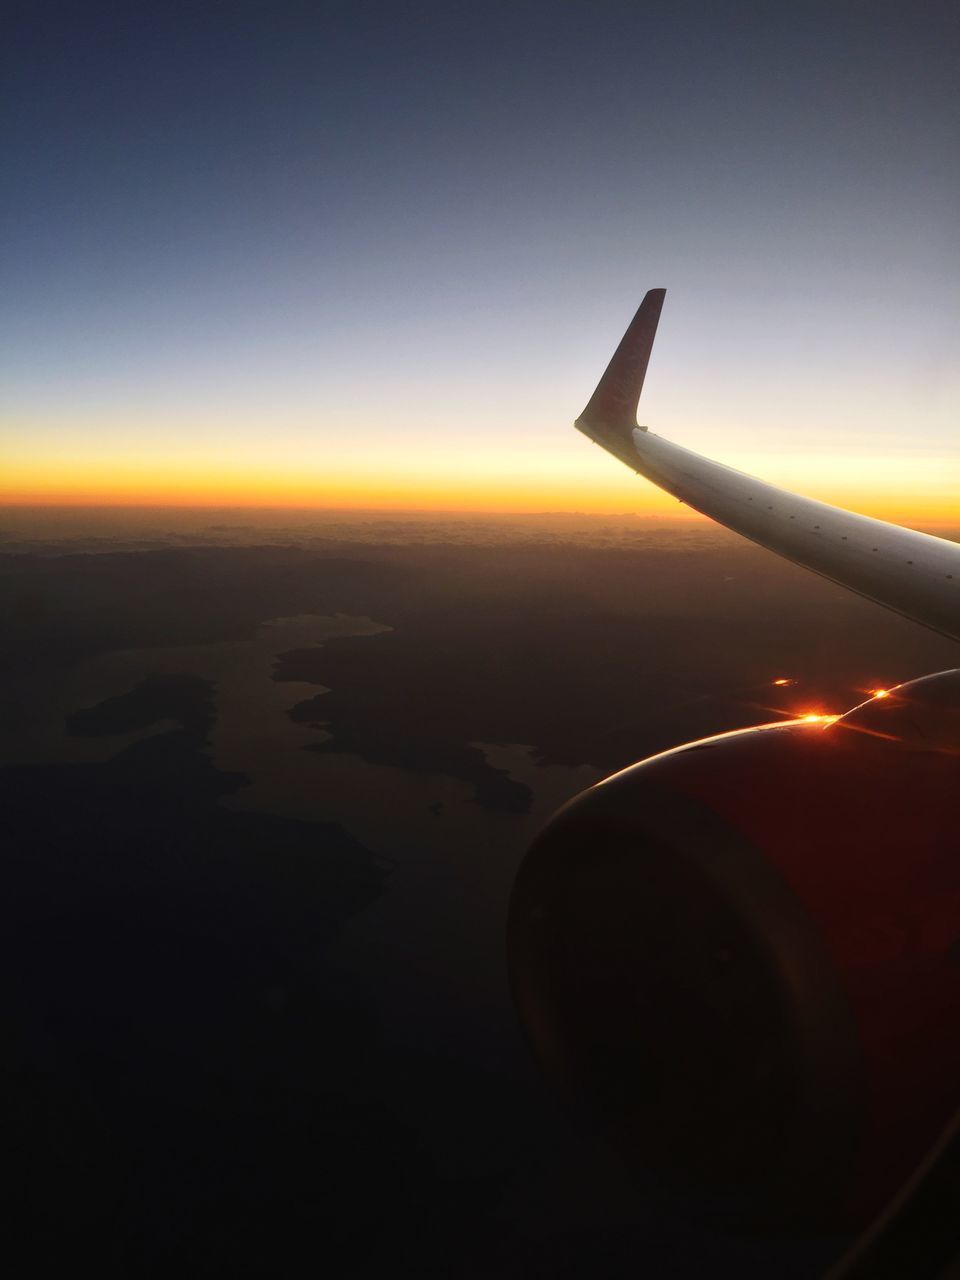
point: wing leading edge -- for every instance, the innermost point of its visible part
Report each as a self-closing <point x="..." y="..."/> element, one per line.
<point x="915" y="574"/>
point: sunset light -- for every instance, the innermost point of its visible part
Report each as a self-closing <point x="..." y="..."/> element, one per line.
<point x="385" y="749"/>
<point x="273" y="465"/>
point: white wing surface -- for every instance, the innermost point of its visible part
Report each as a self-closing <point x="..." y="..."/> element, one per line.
<point x="914" y="574"/>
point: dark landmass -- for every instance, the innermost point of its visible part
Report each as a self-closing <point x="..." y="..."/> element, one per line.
<point x="597" y="658"/>
<point x="414" y="743"/>
<point x="703" y="623"/>
<point x="199" y="1082"/>
<point x="187" y="699"/>
<point x="67" y="608"/>
<point x="171" y="1015"/>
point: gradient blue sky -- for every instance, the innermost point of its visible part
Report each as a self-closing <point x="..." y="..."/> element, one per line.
<point x="354" y="250"/>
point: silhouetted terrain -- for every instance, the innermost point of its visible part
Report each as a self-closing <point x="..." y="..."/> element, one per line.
<point x="262" y="809"/>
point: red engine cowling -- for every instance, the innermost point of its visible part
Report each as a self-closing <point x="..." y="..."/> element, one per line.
<point x="744" y="957"/>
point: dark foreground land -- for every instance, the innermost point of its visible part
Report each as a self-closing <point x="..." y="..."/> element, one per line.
<point x="262" y="807"/>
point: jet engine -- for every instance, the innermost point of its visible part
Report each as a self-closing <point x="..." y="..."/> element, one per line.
<point x="742" y="958"/>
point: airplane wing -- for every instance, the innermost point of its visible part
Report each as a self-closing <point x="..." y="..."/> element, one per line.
<point x="914" y="574"/>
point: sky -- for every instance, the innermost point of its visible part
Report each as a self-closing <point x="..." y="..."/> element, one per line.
<point x="370" y="255"/>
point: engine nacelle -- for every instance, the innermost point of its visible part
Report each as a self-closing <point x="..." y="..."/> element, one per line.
<point x="743" y="957"/>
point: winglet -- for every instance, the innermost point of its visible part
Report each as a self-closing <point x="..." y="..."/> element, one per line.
<point x="613" y="406"/>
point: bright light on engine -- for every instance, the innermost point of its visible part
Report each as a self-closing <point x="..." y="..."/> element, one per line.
<point x="783" y="681"/>
<point x="881" y="693"/>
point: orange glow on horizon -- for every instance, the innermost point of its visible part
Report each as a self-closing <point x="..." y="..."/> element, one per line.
<point x="170" y="487"/>
<point x="348" y="489"/>
<point x="201" y="469"/>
